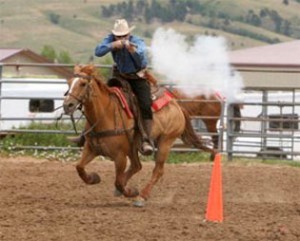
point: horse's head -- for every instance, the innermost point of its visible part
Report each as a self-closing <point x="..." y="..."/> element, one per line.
<point x="79" y="87"/>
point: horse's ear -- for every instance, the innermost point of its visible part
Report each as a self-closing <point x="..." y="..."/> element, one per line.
<point x="98" y="76"/>
<point x="77" y="68"/>
<point x="88" y="69"/>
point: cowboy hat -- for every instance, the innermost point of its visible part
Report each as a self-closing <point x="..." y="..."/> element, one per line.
<point x="121" y="28"/>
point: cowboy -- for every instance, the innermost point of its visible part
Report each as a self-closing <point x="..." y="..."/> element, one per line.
<point x="129" y="54"/>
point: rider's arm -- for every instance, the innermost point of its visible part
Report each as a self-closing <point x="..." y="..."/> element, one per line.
<point x="139" y="55"/>
<point x="105" y="46"/>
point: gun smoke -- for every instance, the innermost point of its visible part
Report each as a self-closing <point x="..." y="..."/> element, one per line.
<point x="201" y="67"/>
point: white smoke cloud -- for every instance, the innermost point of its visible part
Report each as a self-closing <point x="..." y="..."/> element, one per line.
<point x="200" y="68"/>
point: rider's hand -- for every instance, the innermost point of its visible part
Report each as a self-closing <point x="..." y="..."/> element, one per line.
<point x="130" y="47"/>
<point x="118" y="44"/>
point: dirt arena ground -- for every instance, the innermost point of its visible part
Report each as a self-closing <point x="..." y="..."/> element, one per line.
<point x="45" y="200"/>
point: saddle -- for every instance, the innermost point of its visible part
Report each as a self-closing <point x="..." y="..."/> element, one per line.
<point x="121" y="89"/>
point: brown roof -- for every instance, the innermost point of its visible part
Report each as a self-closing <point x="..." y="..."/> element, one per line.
<point x="287" y="53"/>
<point x="36" y="58"/>
<point x="6" y="53"/>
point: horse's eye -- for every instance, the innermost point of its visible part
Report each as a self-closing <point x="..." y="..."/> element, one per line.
<point x="83" y="84"/>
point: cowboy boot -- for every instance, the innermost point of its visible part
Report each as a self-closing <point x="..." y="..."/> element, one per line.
<point x="147" y="148"/>
<point x="79" y="140"/>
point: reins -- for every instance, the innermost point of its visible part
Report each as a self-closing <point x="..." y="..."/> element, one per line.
<point x="90" y="132"/>
<point x="106" y="133"/>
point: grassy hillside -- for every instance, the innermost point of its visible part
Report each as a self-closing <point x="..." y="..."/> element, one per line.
<point x="77" y="26"/>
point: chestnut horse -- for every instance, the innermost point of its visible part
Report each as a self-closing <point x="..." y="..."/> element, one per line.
<point x="209" y="109"/>
<point x="110" y="132"/>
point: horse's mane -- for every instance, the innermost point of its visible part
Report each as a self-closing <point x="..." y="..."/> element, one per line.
<point x="90" y="70"/>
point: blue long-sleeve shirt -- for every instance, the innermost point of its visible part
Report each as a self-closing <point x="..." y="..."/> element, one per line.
<point x="126" y="62"/>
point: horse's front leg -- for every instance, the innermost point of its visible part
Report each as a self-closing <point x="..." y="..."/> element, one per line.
<point x="122" y="176"/>
<point x="135" y="165"/>
<point x="87" y="156"/>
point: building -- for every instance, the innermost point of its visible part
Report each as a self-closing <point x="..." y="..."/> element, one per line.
<point x="26" y="63"/>
<point x="276" y="65"/>
<point x="271" y="101"/>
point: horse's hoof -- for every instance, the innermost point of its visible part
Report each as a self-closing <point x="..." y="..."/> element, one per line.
<point x="139" y="202"/>
<point x="94" y="178"/>
<point x="134" y="192"/>
<point x="117" y="193"/>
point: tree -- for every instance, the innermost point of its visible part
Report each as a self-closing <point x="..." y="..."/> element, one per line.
<point x="54" y="18"/>
<point x="105" y="12"/>
<point x="64" y="57"/>
<point x="226" y="21"/>
<point x="180" y="11"/>
<point x="287" y="28"/>
<point x="156" y="9"/>
<point x="129" y="11"/>
<point x="277" y="19"/>
<point x="49" y="52"/>
<point x="148" y="15"/>
<point x="140" y="6"/>
<point x="255" y="20"/>
<point x="263" y="12"/>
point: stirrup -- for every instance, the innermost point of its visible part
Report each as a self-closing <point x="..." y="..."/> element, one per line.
<point x="74" y="139"/>
<point x="79" y="140"/>
<point x="147" y="149"/>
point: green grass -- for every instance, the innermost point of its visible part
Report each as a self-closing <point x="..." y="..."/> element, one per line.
<point x="188" y="157"/>
<point x="282" y="162"/>
<point x="257" y="161"/>
<point x="12" y="146"/>
<point x="183" y="157"/>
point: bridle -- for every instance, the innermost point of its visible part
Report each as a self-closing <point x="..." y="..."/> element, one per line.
<point x="90" y="131"/>
<point x="80" y="101"/>
<point x="83" y="97"/>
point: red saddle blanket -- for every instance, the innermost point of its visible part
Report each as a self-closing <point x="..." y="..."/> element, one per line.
<point x="161" y="101"/>
<point x="157" y="104"/>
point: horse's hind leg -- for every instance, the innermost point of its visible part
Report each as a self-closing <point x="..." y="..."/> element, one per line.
<point x="86" y="157"/>
<point x="161" y="156"/>
<point x="211" y="126"/>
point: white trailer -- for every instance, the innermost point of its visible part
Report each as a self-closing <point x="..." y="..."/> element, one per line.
<point x="25" y="100"/>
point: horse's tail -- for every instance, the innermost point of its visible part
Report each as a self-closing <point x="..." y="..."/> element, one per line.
<point x="189" y="137"/>
<point x="237" y="114"/>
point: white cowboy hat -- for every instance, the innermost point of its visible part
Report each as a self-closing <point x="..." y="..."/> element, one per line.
<point x="121" y="28"/>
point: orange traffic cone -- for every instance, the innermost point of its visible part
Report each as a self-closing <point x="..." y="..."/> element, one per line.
<point x="214" y="210"/>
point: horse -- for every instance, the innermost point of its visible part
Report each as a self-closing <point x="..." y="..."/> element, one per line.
<point x="111" y="132"/>
<point x="209" y="108"/>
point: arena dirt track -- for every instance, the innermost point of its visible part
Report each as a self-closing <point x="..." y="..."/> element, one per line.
<point x="45" y="200"/>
